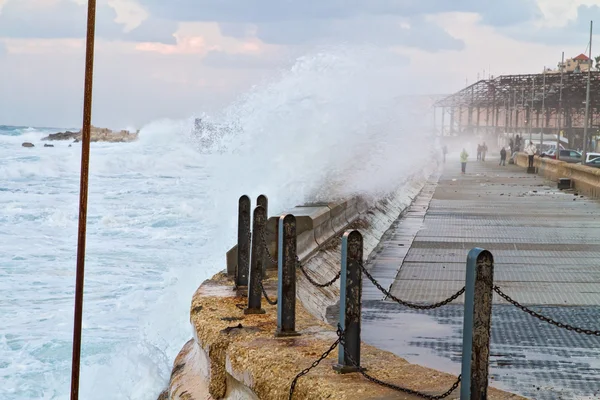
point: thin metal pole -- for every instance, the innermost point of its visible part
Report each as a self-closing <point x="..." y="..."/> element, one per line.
<point x="543" y="110"/>
<point x="83" y="196"/>
<point x="531" y="109"/>
<point x="587" y="99"/>
<point x="562" y="68"/>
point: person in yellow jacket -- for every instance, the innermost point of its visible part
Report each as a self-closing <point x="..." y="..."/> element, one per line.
<point x="464" y="156"/>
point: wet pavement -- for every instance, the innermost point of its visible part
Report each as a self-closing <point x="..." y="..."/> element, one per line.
<point x="546" y="246"/>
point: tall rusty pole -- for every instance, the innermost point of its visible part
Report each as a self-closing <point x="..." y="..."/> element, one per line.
<point x="83" y="196"/>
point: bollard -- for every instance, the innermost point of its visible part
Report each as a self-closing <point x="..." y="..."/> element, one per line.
<point x="259" y="223"/>
<point x="263" y="201"/>
<point x="350" y="302"/>
<point x="477" y="323"/>
<point x="286" y="287"/>
<point x="243" y="253"/>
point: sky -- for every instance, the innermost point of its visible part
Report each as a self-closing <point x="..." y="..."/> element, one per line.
<point x="178" y="58"/>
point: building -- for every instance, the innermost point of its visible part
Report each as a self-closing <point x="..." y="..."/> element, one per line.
<point x="581" y="63"/>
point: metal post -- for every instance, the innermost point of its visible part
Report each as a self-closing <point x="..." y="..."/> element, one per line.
<point x="286" y="287"/>
<point x="243" y="255"/>
<point x="531" y="110"/>
<point x="543" y="110"/>
<point x="83" y="196"/>
<point x="350" y="302"/>
<point x="477" y="324"/>
<point x="560" y="110"/>
<point x="587" y="99"/>
<point x="263" y="201"/>
<point x="443" y="119"/>
<point x="259" y="225"/>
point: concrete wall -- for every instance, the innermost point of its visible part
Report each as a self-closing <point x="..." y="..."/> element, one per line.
<point x="585" y="180"/>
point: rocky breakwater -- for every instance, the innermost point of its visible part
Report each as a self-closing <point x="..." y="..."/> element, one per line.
<point x="97" y="135"/>
<point x="233" y="355"/>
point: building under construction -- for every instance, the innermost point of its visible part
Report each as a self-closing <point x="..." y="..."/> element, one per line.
<point x="551" y="102"/>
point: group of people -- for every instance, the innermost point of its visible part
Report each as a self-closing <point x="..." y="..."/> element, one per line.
<point x="530" y="150"/>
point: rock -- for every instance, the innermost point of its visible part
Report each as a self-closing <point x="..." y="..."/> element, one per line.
<point x="27" y="144"/>
<point x="97" y="135"/>
<point x="164" y="395"/>
<point x="48" y="145"/>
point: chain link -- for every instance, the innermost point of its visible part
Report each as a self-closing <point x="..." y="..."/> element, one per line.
<point x="313" y="365"/>
<point x="266" y="247"/>
<point x="266" y="296"/>
<point x="341" y="341"/>
<point x="391" y="385"/>
<point x="544" y="318"/>
<point x="315" y="283"/>
<point x="411" y="305"/>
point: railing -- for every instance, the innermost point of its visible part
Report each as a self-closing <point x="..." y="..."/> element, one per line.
<point x="479" y="284"/>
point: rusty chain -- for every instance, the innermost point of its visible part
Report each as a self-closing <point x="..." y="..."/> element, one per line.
<point x="315" y="283"/>
<point x="388" y="385"/>
<point x="313" y="365"/>
<point x="341" y="341"/>
<point x="544" y="318"/>
<point x="265" y="295"/>
<point x="265" y="246"/>
<point x="406" y="304"/>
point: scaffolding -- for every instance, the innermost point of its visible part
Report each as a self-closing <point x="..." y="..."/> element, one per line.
<point x="523" y="104"/>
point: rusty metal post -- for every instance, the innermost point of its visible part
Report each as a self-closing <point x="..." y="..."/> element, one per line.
<point x="286" y="287"/>
<point x="350" y="302"/>
<point x="477" y="324"/>
<point x="243" y="248"/>
<point x="259" y="225"/>
<point x="263" y="201"/>
<point x="83" y="196"/>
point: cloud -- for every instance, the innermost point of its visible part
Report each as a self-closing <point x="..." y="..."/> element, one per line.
<point x="386" y="31"/>
<point x="66" y="19"/>
<point x="3" y="50"/>
<point x="573" y="32"/>
<point x="317" y="21"/>
<point x="256" y="11"/>
<point x="224" y="60"/>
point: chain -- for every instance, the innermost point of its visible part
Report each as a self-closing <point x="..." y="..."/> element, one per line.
<point x="411" y="305"/>
<point x="315" y="283"/>
<point x="397" y="388"/>
<point x="266" y="296"/>
<point x="341" y="341"/>
<point x="543" y="318"/>
<point x="266" y="247"/>
<point x="313" y="365"/>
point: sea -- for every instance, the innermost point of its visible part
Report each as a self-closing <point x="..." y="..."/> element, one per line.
<point x="162" y="214"/>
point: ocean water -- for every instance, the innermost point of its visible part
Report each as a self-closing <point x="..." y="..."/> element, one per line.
<point x="162" y="214"/>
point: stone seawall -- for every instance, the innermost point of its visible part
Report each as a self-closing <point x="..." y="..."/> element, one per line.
<point x="236" y="356"/>
<point x="585" y="180"/>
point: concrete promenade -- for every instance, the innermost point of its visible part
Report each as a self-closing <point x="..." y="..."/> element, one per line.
<point x="546" y="245"/>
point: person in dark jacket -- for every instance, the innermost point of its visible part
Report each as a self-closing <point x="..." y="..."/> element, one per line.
<point x="503" y="157"/>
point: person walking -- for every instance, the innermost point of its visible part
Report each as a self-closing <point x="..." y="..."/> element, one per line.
<point x="503" y="157"/>
<point x="478" y="152"/>
<point x="484" y="150"/>
<point x="445" y="151"/>
<point x="464" y="156"/>
<point x="530" y="150"/>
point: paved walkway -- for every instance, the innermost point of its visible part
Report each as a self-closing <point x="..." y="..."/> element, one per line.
<point x="546" y="246"/>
